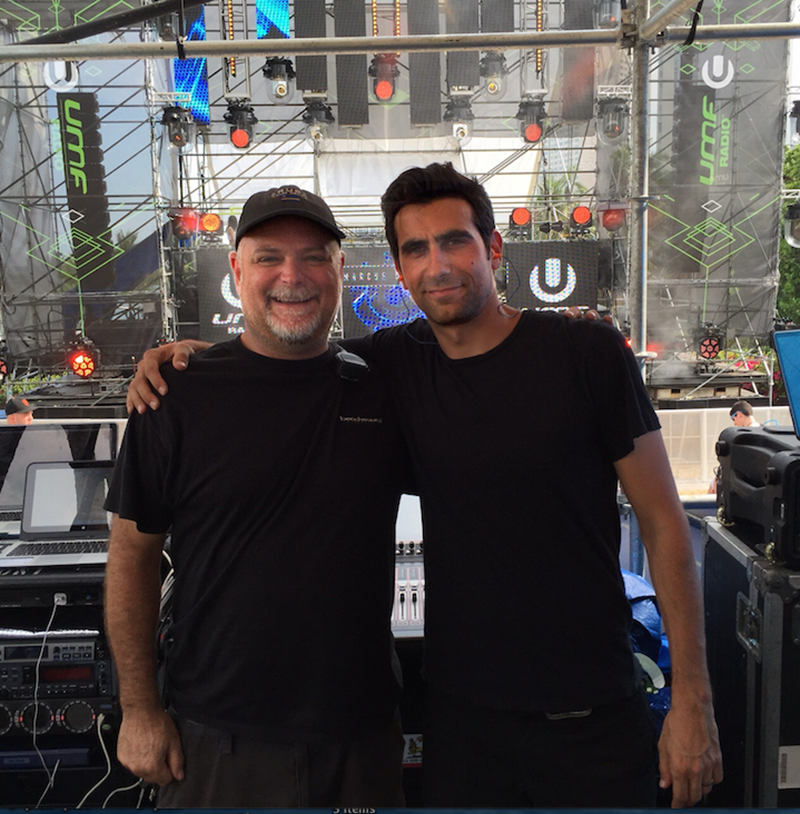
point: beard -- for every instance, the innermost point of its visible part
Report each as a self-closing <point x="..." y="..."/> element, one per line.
<point x="297" y="330"/>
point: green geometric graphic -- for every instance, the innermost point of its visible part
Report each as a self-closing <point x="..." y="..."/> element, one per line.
<point x="708" y="242"/>
<point x="58" y="254"/>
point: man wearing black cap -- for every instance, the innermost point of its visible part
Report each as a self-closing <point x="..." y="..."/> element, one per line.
<point x="19" y="411"/>
<point x="280" y="674"/>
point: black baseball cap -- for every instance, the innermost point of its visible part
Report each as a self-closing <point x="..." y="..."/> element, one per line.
<point x="19" y="404"/>
<point x="288" y="200"/>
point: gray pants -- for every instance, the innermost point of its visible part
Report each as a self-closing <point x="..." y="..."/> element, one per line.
<point x="231" y="771"/>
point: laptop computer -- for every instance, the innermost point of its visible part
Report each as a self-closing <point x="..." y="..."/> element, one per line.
<point x="63" y="519"/>
<point x="23" y="445"/>
<point x="787" y="346"/>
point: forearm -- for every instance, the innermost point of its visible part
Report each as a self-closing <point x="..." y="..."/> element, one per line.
<point x="675" y="577"/>
<point x="133" y="590"/>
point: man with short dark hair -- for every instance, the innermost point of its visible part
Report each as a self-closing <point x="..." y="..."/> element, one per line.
<point x="280" y="674"/>
<point x="519" y="425"/>
<point x="742" y="414"/>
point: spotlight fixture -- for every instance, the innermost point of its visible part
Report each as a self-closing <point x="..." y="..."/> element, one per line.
<point x="383" y="70"/>
<point x="607" y="13"/>
<point x="459" y="113"/>
<point x="710" y="344"/>
<point x="279" y="73"/>
<point x="82" y="358"/>
<point x="241" y="120"/>
<point x="493" y="69"/>
<point x="612" y="114"/>
<point x="791" y="225"/>
<point x="317" y="117"/>
<point x="210" y="224"/>
<point x="531" y="120"/>
<point x="188" y="223"/>
<point x="185" y="222"/>
<point x="553" y="226"/>
<point x="613" y="214"/>
<point x="520" y="223"/>
<point x="580" y="219"/>
<point x="180" y="126"/>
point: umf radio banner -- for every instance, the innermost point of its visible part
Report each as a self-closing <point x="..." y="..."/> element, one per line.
<point x="715" y="221"/>
<point x="92" y="262"/>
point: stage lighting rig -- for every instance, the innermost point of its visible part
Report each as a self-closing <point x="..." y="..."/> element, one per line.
<point x="613" y="214"/>
<point x="82" y="358"/>
<point x="791" y="225"/>
<point x="279" y="73"/>
<point x="493" y="69"/>
<point x="459" y="113"/>
<point x="580" y="220"/>
<point x="612" y="114"/>
<point x="317" y="117"/>
<point x="180" y="127"/>
<point x="710" y="342"/>
<point x="241" y="120"/>
<point x="520" y="223"/>
<point x="531" y="120"/>
<point x="384" y="71"/>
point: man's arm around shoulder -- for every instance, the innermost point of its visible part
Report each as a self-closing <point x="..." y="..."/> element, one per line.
<point x="690" y="759"/>
<point x="148" y="742"/>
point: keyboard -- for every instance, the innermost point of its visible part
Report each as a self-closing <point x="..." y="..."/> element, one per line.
<point x="10" y="515"/>
<point x="63" y="547"/>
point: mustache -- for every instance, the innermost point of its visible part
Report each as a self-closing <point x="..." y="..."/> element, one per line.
<point x="293" y="294"/>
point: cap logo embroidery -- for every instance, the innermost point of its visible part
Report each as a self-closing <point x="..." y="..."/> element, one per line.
<point x="289" y="193"/>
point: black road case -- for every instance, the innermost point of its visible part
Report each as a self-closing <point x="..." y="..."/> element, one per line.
<point x="752" y="610"/>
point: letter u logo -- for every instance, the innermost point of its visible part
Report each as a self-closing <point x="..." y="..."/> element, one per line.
<point x="556" y="285"/>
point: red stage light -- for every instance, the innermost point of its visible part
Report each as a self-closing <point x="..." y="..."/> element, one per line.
<point x="613" y="219"/>
<point x="185" y="222"/>
<point x="520" y="216"/>
<point x="384" y="90"/>
<point x="532" y="133"/>
<point x="581" y="216"/>
<point x="82" y="362"/>
<point x="210" y="223"/>
<point x="240" y="138"/>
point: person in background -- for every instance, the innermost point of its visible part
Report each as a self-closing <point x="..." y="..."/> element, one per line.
<point x="742" y="414"/>
<point x="19" y="411"/>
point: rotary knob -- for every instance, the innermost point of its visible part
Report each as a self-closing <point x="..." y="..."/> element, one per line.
<point x="77" y="716"/>
<point x="6" y="720"/>
<point x="35" y="718"/>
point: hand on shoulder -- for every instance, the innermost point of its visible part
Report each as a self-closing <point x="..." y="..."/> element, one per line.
<point x="148" y="380"/>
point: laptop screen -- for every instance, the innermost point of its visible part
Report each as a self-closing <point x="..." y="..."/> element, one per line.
<point x="787" y="346"/>
<point x="21" y="446"/>
<point x="65" y="499"/>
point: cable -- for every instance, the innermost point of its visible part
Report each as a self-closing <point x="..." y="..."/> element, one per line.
<point x="124" y="788"/>
<point x="100" y="718"/>
<point x="50" y="777"/>
<point x="50" y="782"/>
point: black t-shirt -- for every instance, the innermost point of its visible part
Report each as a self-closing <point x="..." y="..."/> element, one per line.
<point x="280" y="482"/>
<point x="513" y="452"/>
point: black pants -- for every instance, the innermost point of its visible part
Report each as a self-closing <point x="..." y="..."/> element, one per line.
<point x="230" y="771"/>
<point x="485" y="758"/>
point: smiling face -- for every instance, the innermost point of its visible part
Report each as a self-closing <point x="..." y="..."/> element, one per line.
<point x="288" y="272"/>
<point x="443" y="261"/>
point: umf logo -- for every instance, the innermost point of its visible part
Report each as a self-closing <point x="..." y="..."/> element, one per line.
<point x="556" y="284"/>
<point x="73" y="141"/>
<point x="230" y="319"/>
<point x="717" y="73"/>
